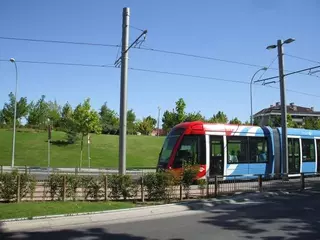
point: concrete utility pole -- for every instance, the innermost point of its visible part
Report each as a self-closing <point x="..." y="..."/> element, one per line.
<point x="283" y="108"/>
<point x="283" y="101"/>
<point x="123" y="91"/>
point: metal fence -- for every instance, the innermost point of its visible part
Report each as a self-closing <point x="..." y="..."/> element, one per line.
<point x="221" y="185"/>
<point x="100" y="188"/>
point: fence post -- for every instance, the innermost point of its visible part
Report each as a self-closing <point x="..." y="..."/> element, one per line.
<point x="106" y="188"/>
<point x="215" y="186"/>
<point x="302" y="180"/>
<point x="181" y="191"/>
<point x="207" y="186"/>
<point x="142" y="189"/>
<point x="64" y="187"/>
<point x="18" y="188"/>
<point x="260" y="182"/>
<point x="1" y="169"/>
<point x="26" y="169"/>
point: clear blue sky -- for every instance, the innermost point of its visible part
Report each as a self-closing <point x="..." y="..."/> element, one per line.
<point x="232" y="30"/>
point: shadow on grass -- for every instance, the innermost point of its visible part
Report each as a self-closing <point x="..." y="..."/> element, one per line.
<point x="59" y="143"/>
<point x="285" y="216"/>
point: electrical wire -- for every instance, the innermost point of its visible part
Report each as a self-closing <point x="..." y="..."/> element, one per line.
<point x="152" y="71"/>
<point x="62" y="63"/>
<point x="301" y="58"/>
<point x="57" y="41"/>
<point x="156" y="50"/>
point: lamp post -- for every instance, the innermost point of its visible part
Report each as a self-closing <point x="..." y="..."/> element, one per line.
<point x="15" y="114"/>
<point x="283" y="101"/>
<point x="261" y="69"/>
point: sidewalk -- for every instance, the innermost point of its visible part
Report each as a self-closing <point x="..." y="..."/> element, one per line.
<point x="133" y="214"/>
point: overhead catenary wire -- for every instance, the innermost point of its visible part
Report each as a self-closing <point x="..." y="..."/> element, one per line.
<point x="151" y="49"/>
<point x="151" y="71"/>
<point x="58" y="41"/>
<point x="301" y="58"/>
<point x="63" y="63"/>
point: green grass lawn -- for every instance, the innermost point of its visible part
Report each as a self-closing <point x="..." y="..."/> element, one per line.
<point x="32" y="150"/>
<point x="32" y="209"/>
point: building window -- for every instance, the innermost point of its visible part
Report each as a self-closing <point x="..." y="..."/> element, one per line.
<point x="308" y="150"/>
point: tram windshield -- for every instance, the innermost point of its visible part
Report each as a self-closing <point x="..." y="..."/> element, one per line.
<point x="169" y="144"/>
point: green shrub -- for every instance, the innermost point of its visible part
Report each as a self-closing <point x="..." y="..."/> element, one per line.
<point x="55" y="185"/>
<point x="158" y="185"/>
<point x="121" y="185"/>
<point x="189" y="174"/>
<point x="9" y="185"/>
<point x="93" y="186"/>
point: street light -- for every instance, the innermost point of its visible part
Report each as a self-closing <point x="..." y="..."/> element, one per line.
<point x="283" y="100"/>
<point x="15" y="114"/>
<point x="261" y="69"/>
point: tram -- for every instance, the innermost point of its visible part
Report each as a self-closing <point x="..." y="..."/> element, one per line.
<point x="228" y="150"/>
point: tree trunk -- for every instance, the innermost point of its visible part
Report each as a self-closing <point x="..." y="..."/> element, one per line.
<point x="81" y="153"/>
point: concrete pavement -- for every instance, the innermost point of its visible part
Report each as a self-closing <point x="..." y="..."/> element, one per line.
<point x="288" y="216"/>
<point x="133" y="214"/>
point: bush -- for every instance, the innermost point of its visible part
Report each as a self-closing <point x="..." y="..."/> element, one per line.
<point x="158" y="185"/>
<point x="189" y="174"/>
<point x="92" y="186"/>
<point x="55" y="185"/>
<point x="121" y="185"/>
<point x="9" y="185"/>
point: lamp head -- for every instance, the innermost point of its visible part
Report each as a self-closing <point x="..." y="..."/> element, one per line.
<point x="289" y="40"/>
<point x="12" y="60"/>
<point x="271" y="47"/>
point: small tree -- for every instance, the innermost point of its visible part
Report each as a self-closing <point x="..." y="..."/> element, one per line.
<point x="86" y="120"/>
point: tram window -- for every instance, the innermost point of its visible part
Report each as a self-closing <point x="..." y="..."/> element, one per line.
<point x="192" y="150"/>
<point x="237" y="150"/>
<point x="308" y="150"/>
<point x="258" y="147"/>
<point x="216" y="149"/>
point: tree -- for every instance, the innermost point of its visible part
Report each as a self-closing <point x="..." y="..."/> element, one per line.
<point x="131" y="118"/>
<point x="168" y="120"/>
<point x="152" y="120"/>
<point x="178" y="115"/>
<point x="290" y="122"/>
<point x="235" y="121"/>
<point x="38" y="113"/>
<point x="109" y="120"/>
<point x="67" y="123"/>
<point x="7" y="114"/>
<point x="2" y="121"/>
<point x="220" y="117"/>
<point x="86" y="120"/>
<point x="180" y="111"/>
<point x="194" y="117"/>
<point x="311" y="123"/>
<point x="54" y="113"/>
<point x="145" y="127"/>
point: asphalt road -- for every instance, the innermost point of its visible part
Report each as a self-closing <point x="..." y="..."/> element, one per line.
<point x="288" y="217"/>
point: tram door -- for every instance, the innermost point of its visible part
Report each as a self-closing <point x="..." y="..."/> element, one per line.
<point x="216" y="155"/>
<point x="293" y="155"/>
<point x="318" y="155"/>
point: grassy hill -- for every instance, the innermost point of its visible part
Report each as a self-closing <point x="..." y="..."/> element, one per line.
<point x="32" y="150"/>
